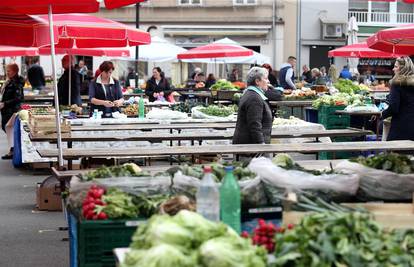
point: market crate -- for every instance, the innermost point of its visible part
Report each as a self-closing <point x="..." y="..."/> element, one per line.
<point x="97" y="239"/>
<point x="388" y="215"/>
<point x="46" y="124"/>
<point x="328" y="118"/>
<point x="339" y="154"/>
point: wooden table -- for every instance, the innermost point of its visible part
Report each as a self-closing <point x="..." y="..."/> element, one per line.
<point x="158" y="137"/>
<point x="155" y="126"/>
<point x="72" y="153"/>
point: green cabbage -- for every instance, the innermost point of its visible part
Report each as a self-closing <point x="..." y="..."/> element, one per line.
<point x="231" y="252"/>
<point x="159" y="256"/>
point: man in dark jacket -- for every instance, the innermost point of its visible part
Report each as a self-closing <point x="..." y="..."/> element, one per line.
<point x="254" y="118"/>
<point x="36" y="76"/>
<point x="287" y="75"/>
<point x="63" y="85"/>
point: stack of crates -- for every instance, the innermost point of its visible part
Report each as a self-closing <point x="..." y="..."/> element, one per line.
<point x="328" y="118"/>
<point x="92" y="242"/>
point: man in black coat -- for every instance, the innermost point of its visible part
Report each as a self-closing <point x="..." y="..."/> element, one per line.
<point x="36" y="76"/>
<point x="254" y="118"/>
<point x="63" y="85"/>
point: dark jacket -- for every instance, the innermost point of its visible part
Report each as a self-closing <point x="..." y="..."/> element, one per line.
<point x="254" y="120"/>
<point x="307" y="76"/>
<point x="114" y="92"/>
<point x="36" y="76"/>
<point x="273" y="80"/>
<point x="152" y="87"/>
<point x="401" y="109"/>
<point x="210" y="83"/>
<point x="12" y="98"/>
<point x="282" y="76"/>
<point x="63" y="88"/>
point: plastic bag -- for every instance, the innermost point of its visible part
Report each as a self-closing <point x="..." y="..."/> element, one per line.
<point x="197" y="114"/>
<point x="166" y="114"/>
<point x="380" y="184"/>
<point x="290" y="179"/>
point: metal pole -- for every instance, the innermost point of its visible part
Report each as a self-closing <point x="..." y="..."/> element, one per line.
<point x="299" y="35"/>
<point x="274" y="32"/>
<point x="136" y="47"/>
<point x="70" y="79"/>
<point x="55" y="88"/>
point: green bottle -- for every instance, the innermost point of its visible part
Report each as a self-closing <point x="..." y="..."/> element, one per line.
<point x="141" y="108"/>
<point x="230" y="200"/>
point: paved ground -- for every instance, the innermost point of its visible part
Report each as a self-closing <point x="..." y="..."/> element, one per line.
<point x="27" y="237"/>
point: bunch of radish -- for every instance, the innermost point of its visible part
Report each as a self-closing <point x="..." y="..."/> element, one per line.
<point x="92" y="200"/>
<point x="264" y="234"/>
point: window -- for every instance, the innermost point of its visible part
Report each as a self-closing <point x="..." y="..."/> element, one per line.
<point x="357" y="5"/>
<point x="189" y="2"/>
<point x="244" y="2"/>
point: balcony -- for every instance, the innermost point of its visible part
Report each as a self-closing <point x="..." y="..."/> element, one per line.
<point x="381" y="18"/>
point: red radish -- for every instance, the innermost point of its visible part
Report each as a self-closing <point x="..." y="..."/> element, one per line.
<point x="102" y="216"/>
<point x="290" y="226"/>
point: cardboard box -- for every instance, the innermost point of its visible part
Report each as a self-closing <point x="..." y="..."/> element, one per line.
<point x="48" y="195"/>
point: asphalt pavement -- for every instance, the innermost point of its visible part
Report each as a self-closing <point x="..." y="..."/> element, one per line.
<point x="27" y="237"/>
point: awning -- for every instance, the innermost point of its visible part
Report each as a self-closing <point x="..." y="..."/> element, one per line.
<point x="201" y="30"/>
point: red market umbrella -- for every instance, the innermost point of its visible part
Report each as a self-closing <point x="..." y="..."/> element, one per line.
<point x="60" y="6"/>
<point x="15" y="51"/>
<point x="87" y="31"/>
<point x="91" y="52"/>
<point x="360" y="50"/>
<point x="216" y="50"/>
<point x="399" y="40"/>
<point x="24" y="30"/>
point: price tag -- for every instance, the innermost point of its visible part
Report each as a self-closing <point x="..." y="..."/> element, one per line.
<point x="133" y="223"/>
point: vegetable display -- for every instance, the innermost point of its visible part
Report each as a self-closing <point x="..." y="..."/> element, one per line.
<point x="127" y="169"/>
<point x="117" y="205"/>
<point x="340" y="99"/>
<point x="391" y="162"/>
<point x="343" y="239"/>
<point x="264" y="234"/>
<point x="240" y="172"/>
<point x="131" y="110"/>
<point x="187" y="239"/>
<point x="286" y="162"/>
<point x="223" y="84"/>
<point x="302" y="94"/>
<point x="218" y="111"/>
<point x="346" y="86"/>
<point x="90" y="210"/>
<point x="185" y="106"/>
<point x="291" y="121"/>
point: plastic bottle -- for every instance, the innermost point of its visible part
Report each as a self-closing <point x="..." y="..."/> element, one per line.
<point x="141" y="108"/>
<point x="230" y="201"/>
<point x="208" y="197"/>
<point x="95" y="114"/>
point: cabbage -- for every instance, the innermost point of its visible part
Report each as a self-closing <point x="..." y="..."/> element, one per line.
<point x="159" y="256"/>
<point x="231" y="252"/>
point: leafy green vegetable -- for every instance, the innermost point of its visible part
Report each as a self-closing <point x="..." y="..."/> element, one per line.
<point x="223" y="84"/>
<point x="185" y="106"/>
<point x="203" y="243"/>
<point x="343" y="239"/>
<point x="218" y="111"/>
<point x="286" y="162"/>
<point x="347" y="86"/>
<point x="127" y="169"/>
<point x="158" y="256"/>
<point x="118" y="205"/>
<point x="391" y="162"/>
<point x="340" y="99"/>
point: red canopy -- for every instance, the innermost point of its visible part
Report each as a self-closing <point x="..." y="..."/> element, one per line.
<point x="216" y="50"/>
<point x="360" y="50"/>
<point x="92" y="52"/>
<point x="86" y="31"/>
<point x="60" y="6"/>
<point x="399" y="40"/>
<point x="23" y="30"/>
<point x="14" y="51"/>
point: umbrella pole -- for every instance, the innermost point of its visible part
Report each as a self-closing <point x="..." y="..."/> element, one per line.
<point x="55" y="89"/>
<point x="70" y="79"/>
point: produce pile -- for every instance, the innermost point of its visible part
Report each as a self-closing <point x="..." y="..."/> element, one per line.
<point x="302" y="94"/>
<point x="131" y="110"/>
<point x="340" y="99"/>
<point x="223" y="84"/>
<point x="391" y="162"/>
<point x="218" y="111"/>
<point x="240" y="172"/>
<point x="127" y="169"/>
<point x="343" y="239"/>
<point x="286" y="162"/>
<point x="185" y="106"/>
<point x="189" y="240"/>
<point x="348" y="87"/>
<point x="291" y="121"/>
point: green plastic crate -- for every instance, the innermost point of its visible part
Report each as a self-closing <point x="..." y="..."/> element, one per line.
<point x="328" y="118"/>
<point x="338" y="154"/>
<point x="97" y="239"/>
